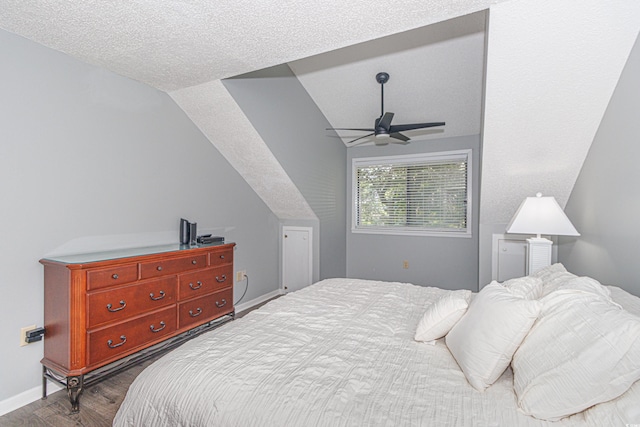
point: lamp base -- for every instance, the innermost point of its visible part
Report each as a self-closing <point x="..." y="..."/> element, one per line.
<point x="538" y="254"/>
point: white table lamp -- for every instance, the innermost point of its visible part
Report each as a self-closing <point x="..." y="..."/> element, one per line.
<point x="540" y="215"/>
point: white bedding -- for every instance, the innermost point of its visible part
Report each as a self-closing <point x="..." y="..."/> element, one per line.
<point x="338" y="353"/>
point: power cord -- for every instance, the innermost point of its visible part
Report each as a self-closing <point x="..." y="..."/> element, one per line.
<point x="245" y="290"/>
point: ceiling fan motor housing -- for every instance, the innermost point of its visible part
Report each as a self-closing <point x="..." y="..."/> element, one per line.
<point x="380" y="131"/>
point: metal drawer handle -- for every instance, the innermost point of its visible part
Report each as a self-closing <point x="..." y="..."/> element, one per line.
<point x="195" y="288"/>
<point x="123" y="339"/>
<point x="114" y="276"/>
<point x="162" y="326"/>
<point x="224" y="277"/>
<point x="162" y="295"/>
<point x="221" y="256"/>
<point x="113" y="310"/>
<point x="194" y="262"/>
<point x="224" y="302"/>
<point x="198" y="312"/>
<point x="159" y="268"/>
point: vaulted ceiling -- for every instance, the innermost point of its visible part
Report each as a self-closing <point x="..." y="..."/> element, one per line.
<point x="534" y="81"/>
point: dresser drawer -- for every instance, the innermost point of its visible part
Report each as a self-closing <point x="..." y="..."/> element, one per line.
<point x="112" y="276"/>
<point x="106" y="343"/>
<point x="172" y="266"/>
<point x="221" y="257"/>
<point x="205" y="308"/>
<point x="203" y="282"/>
<point x="126" y="301"/>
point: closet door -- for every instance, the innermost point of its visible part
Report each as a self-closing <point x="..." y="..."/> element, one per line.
<point x="297" y="261"/>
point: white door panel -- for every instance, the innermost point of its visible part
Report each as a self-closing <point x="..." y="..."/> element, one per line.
<point x="296" y="258"/>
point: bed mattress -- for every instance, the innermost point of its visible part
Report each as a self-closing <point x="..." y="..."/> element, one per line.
<point x="338" y="353"/>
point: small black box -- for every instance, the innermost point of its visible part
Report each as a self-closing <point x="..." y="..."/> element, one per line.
<point x="210" y="239"/>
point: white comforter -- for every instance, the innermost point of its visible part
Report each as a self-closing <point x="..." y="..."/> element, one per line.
<point x="338" y="353"/>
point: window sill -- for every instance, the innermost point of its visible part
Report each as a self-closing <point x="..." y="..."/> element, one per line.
<point x="418" y="233"/>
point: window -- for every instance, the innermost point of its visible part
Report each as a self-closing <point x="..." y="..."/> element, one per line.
<point x="424" y="194"/>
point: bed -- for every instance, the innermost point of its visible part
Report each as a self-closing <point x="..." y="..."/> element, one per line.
<point x="343" y="352"/>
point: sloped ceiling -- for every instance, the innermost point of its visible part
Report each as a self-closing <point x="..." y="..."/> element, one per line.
<point x="551" y="68"/>
<point x="260" y="169"/>
<point x="436" y="75"/>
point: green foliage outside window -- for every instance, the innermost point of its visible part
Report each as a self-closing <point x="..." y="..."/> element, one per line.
<point x="427" y="195"/>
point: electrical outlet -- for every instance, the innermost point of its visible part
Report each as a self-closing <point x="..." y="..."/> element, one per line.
<point x="23" y="334"/>
<point x="240" y="275"/>
<point x="405" y="264"/>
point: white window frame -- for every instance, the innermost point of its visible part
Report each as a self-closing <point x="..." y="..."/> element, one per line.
<point x="455" y="155"/>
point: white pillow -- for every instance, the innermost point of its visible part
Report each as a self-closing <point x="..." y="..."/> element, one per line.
<point x="552" y="277"/>
<point x="486" y="337"/>
<point x="585" y="284"/>
<point x="527" y="287"/>
<point x="549" y="271"/>
<point x="583" y="350"/>
<point x="442" y="315"/>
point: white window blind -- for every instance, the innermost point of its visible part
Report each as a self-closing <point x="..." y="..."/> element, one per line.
<point x="415" y="194"/>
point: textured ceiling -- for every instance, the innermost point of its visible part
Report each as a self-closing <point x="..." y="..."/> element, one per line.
<point x="552" y="67"/>
<point x="175" y="44"/>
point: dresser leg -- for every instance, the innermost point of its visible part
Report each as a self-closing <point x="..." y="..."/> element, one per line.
<point x="74" y="389"/>
<point x="44" y="383"/>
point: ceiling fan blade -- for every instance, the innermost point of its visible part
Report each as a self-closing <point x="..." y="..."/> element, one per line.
<point x="359" y="129"/>
<point x="357" y="139"/>
<point x="401" y="128"/>
<point x="401" y="137"/>
<point x="385" y="121"/>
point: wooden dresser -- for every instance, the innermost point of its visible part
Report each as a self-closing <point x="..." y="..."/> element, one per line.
<point x="101" y="308"/>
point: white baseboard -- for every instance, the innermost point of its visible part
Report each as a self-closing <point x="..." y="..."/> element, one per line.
<point x="26" y="397"/>
<point x="262" y="298"/>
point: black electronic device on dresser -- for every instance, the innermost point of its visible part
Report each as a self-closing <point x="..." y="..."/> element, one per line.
<point x="188" y="232"/>
<point x="208" y="239"/>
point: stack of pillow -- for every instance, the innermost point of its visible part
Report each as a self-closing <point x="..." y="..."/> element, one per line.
<point x="569" y="345"/>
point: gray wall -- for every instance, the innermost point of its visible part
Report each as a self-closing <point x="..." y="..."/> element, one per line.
<point x="605" y="203"/>
<point x="89" y="160"/>
<point x="293" y="128"/>
<point x="446" y="262"/>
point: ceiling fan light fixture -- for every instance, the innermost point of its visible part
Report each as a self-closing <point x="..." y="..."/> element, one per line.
<point x="382" y="135"/>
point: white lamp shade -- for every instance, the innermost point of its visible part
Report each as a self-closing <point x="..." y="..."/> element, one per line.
<point x="541" y="215"/>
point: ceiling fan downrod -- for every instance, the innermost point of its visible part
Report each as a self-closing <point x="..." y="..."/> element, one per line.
<point x="382" y="78"/>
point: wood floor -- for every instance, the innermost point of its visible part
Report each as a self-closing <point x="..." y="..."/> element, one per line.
<point x="98" y="403"/>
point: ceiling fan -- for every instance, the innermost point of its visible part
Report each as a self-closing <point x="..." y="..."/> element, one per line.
<point x="382" y="129"/>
